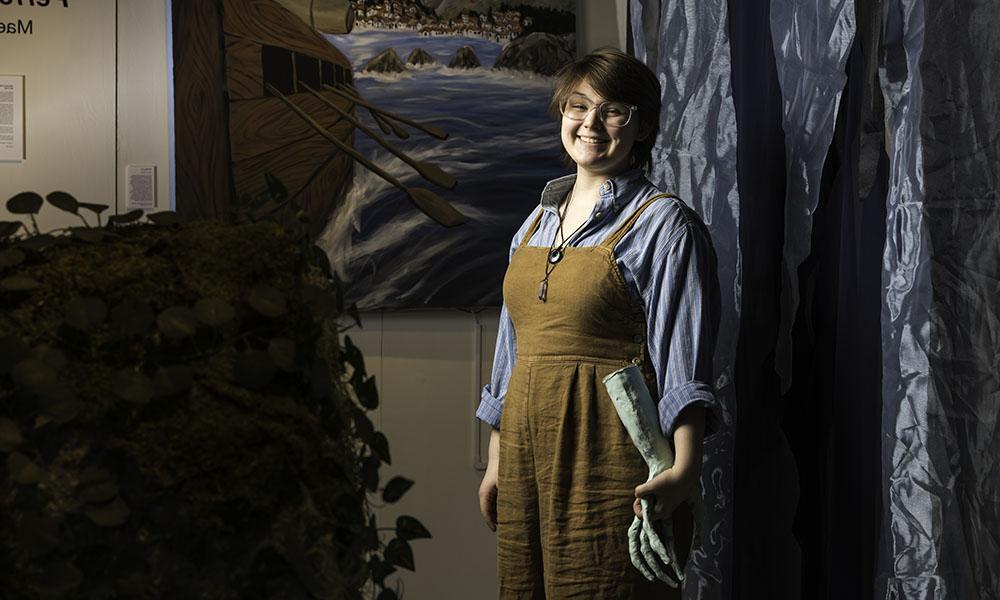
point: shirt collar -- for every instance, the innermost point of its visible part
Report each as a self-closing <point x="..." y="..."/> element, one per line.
<point x="614" y="191"/>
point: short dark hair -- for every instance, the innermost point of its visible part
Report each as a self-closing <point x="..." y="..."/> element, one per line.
<point x="615" y="76"/>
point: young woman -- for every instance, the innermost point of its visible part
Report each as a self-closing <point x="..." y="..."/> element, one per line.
<point x="607" y="271"/>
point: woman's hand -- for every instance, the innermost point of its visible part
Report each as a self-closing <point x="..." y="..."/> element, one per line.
<point x="674" y="485"/>
<point x="488" y="487"/>
<point x="665" y="492"/>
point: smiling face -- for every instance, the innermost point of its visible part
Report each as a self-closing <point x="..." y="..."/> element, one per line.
<point x="596" y="148"/>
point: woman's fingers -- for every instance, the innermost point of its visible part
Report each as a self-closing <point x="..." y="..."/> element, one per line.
<point x="488" y="500"/>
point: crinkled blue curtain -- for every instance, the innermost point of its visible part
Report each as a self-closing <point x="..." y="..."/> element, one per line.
<point x="687" y="45"/>
<point x="941" y="315"/>
<point x="859" y="244"/>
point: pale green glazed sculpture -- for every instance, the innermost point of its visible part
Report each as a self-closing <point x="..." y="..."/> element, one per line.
<point x="637" y="410"/>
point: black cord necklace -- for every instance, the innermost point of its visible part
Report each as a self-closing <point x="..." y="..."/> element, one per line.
<point x="555" y="254"/>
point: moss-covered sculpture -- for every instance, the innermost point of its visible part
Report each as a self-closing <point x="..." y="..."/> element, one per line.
<point x="180" y="419"/>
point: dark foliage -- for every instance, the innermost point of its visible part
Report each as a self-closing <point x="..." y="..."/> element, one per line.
<point x="179" y="416"/>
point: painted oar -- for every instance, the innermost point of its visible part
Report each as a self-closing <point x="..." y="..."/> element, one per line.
<point x="350" y="94"/>
<point x="430" y="172"/>
<point x="430" y="203"/>
<point x="395" y="129"/>
<point x="387" y="126"/>
<point x="382" y="123"/>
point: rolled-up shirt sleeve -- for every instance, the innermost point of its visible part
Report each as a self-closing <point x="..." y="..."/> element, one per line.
<point x="679" y="286"/>
<point x="493" y="394"/>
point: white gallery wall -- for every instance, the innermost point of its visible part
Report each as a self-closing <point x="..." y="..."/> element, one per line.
<point x="96" y="98"/>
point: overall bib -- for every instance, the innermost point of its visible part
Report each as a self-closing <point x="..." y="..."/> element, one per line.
<point x="568" y="469"/>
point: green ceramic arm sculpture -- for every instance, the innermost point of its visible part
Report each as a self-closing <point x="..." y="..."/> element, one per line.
<point x="637" y="411"/>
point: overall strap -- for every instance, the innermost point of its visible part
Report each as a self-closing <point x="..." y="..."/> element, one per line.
<point x="624" y="228"/>
<point x="531" y="229"/>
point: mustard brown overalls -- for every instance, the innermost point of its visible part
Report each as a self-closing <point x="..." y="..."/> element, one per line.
<point x="568" y="469"/>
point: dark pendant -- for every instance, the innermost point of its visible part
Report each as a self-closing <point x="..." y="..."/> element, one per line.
<point x="555" y="255"/>
<point x="543" y="289"/>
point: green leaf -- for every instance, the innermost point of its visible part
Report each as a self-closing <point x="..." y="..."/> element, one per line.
<point x="93" y="474"/>
<point x="53" y="357"/>
<point x="9" y="228"/>
<point x="91" y="236"/>
<point x="367" y="393"/>
<point x="124" y="219"/>
<point x="363" y="427"/>
<point x="23" y="470"/>
<point x="214" y="312"/>
<point x="132" y="386"/>
<point x="399" y="553"/>
<point x="64" y="412"/>
<point x="98" y="493"/>
<point x="18" y="283"/>
<point x="353" y="356"/>
<point x="172" y="380"/>
<point x="165" y="217"/>
<point x="322" y="303"/>
<point x="110" y="515"/>
<point x="131" y="318"/>
<point x="380" y="446"/>
<point x="387" y="594"/>
<point x="253" y="370"/>
<point x="177" y="322"/>
<point x="25" y="203"/>
<point x="321" y="259"/>
<point x="267" y="301"/>
<point x="408" y="528"/>
<point x="86" y="314"/>
<point x="59" y="401"/>
<point x="11" y="258"/>
<point x="369" y="472"/>
<point x="37" y="242"/>
<point x="12" y="351"/>
<point x="395" y="489"/>
<point x="352" y="311"/>
<point x="380" y="569"/>
<point x="97" y="209"/>
<point x="64" y="201"/>
<point x="282" y="352"/>
<point x="11" y="438"/>
<point x="275" y="188"/>
<point x="320" y="384"/>
<point x="32" y="373"/>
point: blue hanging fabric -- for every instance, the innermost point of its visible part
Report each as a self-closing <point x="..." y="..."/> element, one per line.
<point x="941" y="314"/>
<point x="811" y="43"/>
<point x="686" y="43"/>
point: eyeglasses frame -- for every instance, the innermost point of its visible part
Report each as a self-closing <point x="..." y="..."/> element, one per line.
<point x="631" y="107"/>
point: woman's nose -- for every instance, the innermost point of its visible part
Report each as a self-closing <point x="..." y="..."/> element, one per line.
<point x="593" y="118"/>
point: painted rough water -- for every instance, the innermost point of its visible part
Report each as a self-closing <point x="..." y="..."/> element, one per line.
<point x="502" y="147"/>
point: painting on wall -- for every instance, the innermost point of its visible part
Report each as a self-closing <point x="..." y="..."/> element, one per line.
<point x="414" y="133"/>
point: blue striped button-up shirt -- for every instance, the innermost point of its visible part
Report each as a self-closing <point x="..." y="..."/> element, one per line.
<point x="668" y="264"/>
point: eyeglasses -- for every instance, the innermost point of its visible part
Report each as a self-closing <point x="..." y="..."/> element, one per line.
<point x="612" y="114"/>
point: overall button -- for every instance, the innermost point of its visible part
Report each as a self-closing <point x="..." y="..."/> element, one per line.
<point x="636" y="361"/>
<point x="606" y="187"/>
<point x="597" y="215"/>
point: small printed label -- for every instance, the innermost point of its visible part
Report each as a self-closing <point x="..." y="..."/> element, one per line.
<point x="140" y="181"/>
